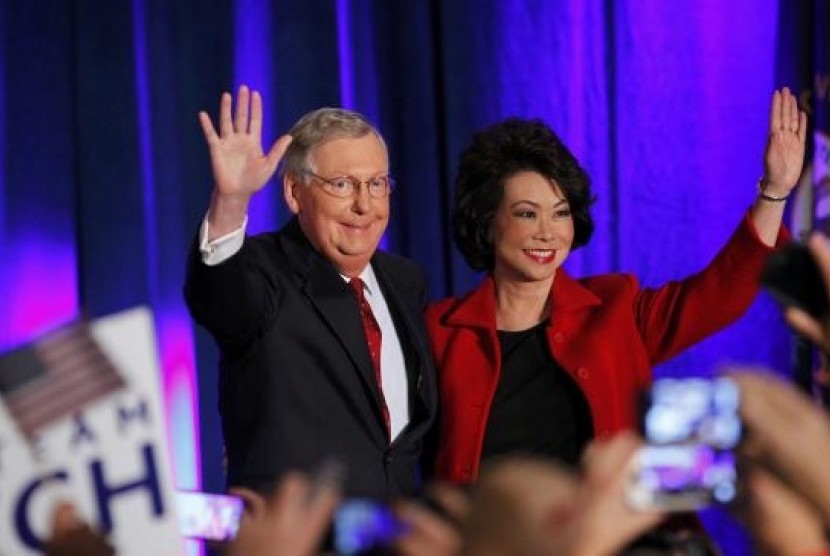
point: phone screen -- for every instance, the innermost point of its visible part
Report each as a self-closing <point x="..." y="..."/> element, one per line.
<point x="361" y="525"/>
<point x="206" y="516"/>
<point x="691" y="427"/>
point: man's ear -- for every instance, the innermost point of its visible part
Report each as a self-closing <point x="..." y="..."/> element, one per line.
<point x="290" y="190"/>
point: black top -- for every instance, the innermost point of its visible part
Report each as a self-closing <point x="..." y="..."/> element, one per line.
<point x="538" y="409"/>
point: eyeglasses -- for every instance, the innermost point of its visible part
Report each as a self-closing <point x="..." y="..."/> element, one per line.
<point x="346" y="186"/>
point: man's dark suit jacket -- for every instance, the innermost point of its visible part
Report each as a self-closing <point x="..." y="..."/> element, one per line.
<point x="296" y="384"/>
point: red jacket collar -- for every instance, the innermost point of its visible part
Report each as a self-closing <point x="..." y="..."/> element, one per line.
<point x="478" y="308"/>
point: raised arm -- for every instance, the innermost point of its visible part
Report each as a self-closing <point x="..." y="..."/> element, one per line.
<point x="240" y="167"/>
<point x="783" y="159"/>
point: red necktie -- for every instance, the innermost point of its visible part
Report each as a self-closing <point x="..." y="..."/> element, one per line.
<point x="373" y="337"/>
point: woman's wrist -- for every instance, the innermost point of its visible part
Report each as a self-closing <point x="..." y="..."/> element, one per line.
<point x="769" y="194"/>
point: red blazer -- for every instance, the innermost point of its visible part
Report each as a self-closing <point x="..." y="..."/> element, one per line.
<point x="605" y="331"/>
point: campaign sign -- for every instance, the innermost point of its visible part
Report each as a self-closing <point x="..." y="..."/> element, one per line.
<point x="109" y="457"/>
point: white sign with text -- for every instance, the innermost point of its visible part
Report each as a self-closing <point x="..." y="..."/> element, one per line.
<point x="111" y="459"/>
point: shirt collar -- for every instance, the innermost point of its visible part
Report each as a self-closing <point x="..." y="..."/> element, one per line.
<point x="370" y="281"/>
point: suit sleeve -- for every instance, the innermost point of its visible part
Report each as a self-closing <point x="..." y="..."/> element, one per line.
<point x="681" y="313"/>
<point x="234" y="299"/>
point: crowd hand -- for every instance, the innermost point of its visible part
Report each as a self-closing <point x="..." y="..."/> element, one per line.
<point x="430" y="534"/>
<point x="603" y="522"/>
<point x="780" y="520"/>
<point x="71" y="537"/>
<point x="534" y="507"/>
<point x="814" y="330"/>
<point x="784" y="154"/>
<point x="291" y="522"/>
<point x="786" y="433"/>
<point x="514" y="505"/>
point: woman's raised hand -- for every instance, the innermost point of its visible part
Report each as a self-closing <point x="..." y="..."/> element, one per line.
<point x="784" y="154"/>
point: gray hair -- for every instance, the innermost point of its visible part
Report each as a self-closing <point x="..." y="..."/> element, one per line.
<point x="318" y="127"/>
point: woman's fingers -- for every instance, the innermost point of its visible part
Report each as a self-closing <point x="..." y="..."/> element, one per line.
<point x="775" y="113"/>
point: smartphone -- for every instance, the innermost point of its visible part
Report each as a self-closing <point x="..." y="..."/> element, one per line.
<point x="792" y="277"/>
<point x="691" y="427"/>
<point x="361" y="525"/>
<point x="212" y="517"/>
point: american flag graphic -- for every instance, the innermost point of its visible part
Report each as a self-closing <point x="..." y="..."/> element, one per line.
<point x="54" y="377"/>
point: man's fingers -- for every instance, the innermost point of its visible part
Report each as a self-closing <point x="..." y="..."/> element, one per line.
<point x="278" y="150"/>
<point x="225" y="122"/>
<point x="207" y="128"/>
<point x="240" y="123"/>
<point x="256" y="114"/>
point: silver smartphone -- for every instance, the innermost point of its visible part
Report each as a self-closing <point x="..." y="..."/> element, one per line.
<point x="691" y="427"/>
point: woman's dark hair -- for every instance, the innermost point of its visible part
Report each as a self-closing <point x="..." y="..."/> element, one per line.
<point x="495" y="154"/>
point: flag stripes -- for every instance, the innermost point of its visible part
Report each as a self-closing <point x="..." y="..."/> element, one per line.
<point x="55" y="377"/>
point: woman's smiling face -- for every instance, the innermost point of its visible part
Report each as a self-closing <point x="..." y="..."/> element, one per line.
<point x="533" y="229"/>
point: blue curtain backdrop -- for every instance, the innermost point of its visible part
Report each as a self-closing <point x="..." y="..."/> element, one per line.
<point x="104" y="177"/>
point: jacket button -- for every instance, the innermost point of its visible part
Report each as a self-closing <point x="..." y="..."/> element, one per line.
<point x="582" y="373"/>
<point x="389" y="458"/>
<point x="558" y="337"/>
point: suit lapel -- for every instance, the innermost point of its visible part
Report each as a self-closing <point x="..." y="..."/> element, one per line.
<point x="335" y="303"/>
<point x="412" y="336"/>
